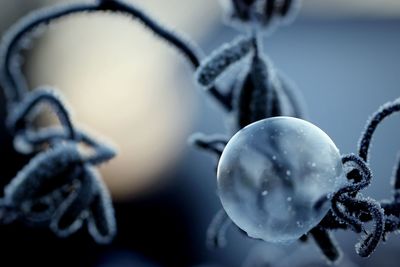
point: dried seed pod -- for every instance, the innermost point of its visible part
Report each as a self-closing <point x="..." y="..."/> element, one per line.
<point x="262" y="14"/>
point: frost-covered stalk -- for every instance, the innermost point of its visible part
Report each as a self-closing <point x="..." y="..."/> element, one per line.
<point x="259" y="91"/>
<point x="17" y="37"/>
<point x="262" y="93"/>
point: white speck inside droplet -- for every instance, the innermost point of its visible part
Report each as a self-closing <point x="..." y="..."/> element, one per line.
<point x="274" y="182"/>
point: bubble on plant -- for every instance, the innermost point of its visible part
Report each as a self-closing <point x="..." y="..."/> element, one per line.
<point x="273" y="174"/>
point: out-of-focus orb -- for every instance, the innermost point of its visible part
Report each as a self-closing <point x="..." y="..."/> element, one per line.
<point x="273" y="172"/>
<point x="124" y="84"/>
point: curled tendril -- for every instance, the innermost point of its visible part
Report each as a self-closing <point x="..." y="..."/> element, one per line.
<point x="350" y="209"/>
<point x="59" y="186"/>
<point x="396" y="180"/>
<point x="354" y="206"/>
<point x="366" y="138"/>
<point x="17" y="120"/>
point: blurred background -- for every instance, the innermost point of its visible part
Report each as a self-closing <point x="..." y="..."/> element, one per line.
<point x="126" y="86"/>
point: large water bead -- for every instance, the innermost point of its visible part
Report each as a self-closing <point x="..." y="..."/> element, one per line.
<point x="273" y="174"/>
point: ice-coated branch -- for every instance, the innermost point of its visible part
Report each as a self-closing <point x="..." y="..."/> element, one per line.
<point x="11" y="77"/>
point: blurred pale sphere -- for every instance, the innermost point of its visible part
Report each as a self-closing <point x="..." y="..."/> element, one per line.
<point x="124" y="84"/>
<point x="273" y="172"/>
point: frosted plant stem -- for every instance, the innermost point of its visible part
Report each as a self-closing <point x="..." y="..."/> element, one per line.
<point x="13" y="81"/>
